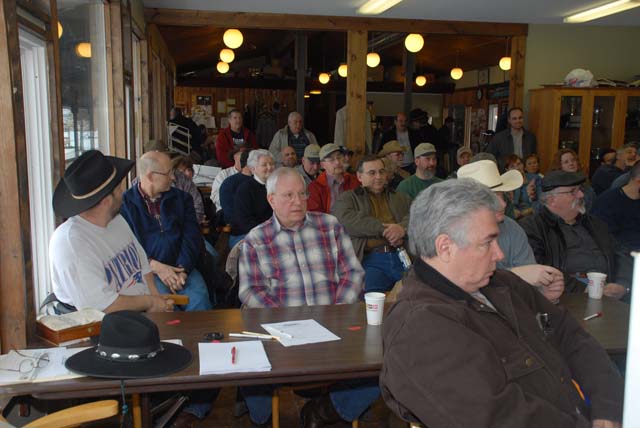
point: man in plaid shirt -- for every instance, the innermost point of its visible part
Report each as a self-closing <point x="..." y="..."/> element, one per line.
<point x="302" y="258"/>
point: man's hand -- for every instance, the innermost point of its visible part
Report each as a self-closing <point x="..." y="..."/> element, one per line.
<point x="614" y="290"/>
<point x="160" y="304"/>
<point x="603" y="423"/>
<point x="169" y="275"/>
<point x="394" y="233"/>
<point x="531" y="190"/>
<point x="549" y="279"/>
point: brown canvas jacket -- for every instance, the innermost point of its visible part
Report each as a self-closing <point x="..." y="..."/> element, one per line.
<point x="451" y="361"/>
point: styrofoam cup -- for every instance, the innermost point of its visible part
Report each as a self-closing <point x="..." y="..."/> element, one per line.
<point x="375" y="307"/>
<point x="596" y="284"/>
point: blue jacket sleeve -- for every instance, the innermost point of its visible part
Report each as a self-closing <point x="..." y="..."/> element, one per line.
<point x="191" y="236"/>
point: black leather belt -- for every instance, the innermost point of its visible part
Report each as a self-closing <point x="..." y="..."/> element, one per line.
<point x="382" y="249"/>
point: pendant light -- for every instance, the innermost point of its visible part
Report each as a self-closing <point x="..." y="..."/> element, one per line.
<point x="505" y="61"/>
<point x="227" y="55"/>
<point x="373" y="59"/>
<point x="59" y="29"/>
<point x="456" y="72"/>
<point x="421" y="80"/>
<point x="324" y="78"/>
<point x="83" y="50"/>
<point x="232" y="38"/>
<point x="342" y="70"/>
<point x="222" y="67"/>
<point x="414" y="42"/>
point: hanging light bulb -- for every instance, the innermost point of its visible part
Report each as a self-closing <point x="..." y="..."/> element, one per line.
<point x="342" y="70"/>
<point x="232" y="38"/>
<point x="373" y="59"/>
<point x="505" y="63"/>
<point x="307" y="96"/>
<point x="59" y="29"/>
<point x="456" y="73"/>
<point x="324" y="78"/>
<point x="315" y="92"/>
<point x="83" y="50"/>
<point x="222" y="67"/>
<point x="421" y="80"/>
<point x="227" y="55"/>
<point x="413" y="42"/>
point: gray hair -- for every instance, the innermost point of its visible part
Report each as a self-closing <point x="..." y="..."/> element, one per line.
<point x="292" y="115"/>
<point x="255" y="155"/>
<point x="146" y="164"/>
<point x="445" y="208"/>
<point x="284" y="171"/>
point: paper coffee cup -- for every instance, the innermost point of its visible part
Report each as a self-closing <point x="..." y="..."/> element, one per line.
<point x="375" y="307"/>
<point x="596" y="284"/>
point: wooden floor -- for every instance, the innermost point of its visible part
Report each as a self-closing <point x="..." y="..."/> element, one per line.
<point x="290" y="404"/>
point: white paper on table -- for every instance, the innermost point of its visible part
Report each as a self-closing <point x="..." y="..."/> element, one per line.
<point x="54" y="370"/>
<point x="204" y="174"/>
<point x="302" y="332"/>
<point x="215" y="358"/>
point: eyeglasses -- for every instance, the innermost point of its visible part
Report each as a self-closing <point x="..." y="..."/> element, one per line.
<point x="573" y="192"/>
<point x="289" y="197"/>
<point x="29" y="363"/>
<point x="373" y="173"/>
<point x="171" y="173"/>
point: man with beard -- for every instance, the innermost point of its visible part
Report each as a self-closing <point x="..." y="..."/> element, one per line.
<point x="562" y="235"/>
<point x="96" y="260"/>
<point x="425" y="176"/>
<point x="289" y="157"/>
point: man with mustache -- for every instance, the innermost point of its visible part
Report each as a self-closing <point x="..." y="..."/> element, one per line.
<point x="425" y="176"/>
<point x="562" y="235"/>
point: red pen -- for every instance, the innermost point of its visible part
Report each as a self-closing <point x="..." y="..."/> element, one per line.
<point x="592" y="316"/>
<point x="234" y="352"/>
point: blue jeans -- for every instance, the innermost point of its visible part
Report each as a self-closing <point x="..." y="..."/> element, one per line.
<point x="195" y="288"/>
<point x="200" y="402"/>
<point x="381" y="271"/>
<point x="350" y="398"/>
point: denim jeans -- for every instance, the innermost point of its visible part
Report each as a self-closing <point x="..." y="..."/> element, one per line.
<point x="381" y="271"/>
<point x="350" y="398"/>
<point x="200" y="402"/>
<point x="194" y="287"/>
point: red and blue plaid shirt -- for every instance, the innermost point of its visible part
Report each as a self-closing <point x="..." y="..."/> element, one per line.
<point x="313" y="265"/>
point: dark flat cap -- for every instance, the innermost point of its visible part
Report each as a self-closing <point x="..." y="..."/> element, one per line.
<point x="560" y="178"/>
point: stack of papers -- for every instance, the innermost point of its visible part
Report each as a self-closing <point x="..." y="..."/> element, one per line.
<point x="53" y="370"/>
<point x="204" y="175"/>
<point x="216" y="358"/>
<point x="301" y="332"/>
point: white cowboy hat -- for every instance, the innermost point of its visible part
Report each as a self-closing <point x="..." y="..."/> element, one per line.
<point x="486" y="172"/>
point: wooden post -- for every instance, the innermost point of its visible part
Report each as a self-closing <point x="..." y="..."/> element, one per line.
<point x="15" y="269"/>
<point x="116" y="97"/>
<point x="301" y="70"/>
<point x="516" y="74"/>
<point x="356" y="90"/>
<point x="409" y="65"/>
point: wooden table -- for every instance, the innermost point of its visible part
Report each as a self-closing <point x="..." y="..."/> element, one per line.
<point x="357" y="355"/>
<point x="611" y="330"/>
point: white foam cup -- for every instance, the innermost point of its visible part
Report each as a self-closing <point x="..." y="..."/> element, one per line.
<point x="375" y="307"/>
<point x="596" y="284"/>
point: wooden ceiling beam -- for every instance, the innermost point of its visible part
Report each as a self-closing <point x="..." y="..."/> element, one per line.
<point x="160" y="16"/>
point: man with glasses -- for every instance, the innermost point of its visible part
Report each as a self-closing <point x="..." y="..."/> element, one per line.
<point x="299" y="258"/>
<point x="562" y="235"/>
<point x="164" y="221"/>
<point x="376" y="219"/>
<point x="324" y="190"/>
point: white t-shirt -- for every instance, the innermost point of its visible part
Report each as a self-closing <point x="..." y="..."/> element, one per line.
<point x="92" y="265"/>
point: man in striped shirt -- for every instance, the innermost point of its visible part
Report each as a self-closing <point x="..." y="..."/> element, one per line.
<point x="301" y="258"/>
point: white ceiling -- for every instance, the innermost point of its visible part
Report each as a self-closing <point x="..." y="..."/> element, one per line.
<point x="517" y="11"/>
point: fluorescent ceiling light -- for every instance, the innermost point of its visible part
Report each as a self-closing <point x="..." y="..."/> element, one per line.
<point x="602" y="11"/>
<point x="375" y="7"/>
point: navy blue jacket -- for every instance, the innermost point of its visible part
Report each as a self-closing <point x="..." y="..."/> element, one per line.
<point x="175" y="238"/>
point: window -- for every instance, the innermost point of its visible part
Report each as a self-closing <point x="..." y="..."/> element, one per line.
<point x="83" y="71"/>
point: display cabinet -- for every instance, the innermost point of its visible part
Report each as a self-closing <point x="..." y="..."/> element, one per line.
<point x="583" y="119"/>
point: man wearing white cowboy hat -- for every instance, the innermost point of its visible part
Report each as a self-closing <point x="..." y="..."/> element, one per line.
<point x="518" y="255"/>
<point x="96" y="261"/>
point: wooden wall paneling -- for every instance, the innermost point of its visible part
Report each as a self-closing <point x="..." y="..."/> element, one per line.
<point x="356" y="90"/>
<point x="144" y="90"/>
<point x="619" y="117"/>
<point x="95" y="80"/>
<point x="331" y="23"/>
<point x="516" y="74"/>
<point x="15" y="270"/>
<point x="119" y="142"/>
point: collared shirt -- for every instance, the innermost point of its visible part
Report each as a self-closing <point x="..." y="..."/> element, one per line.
<point x="336" y="188"/>
<point x="312" y="265"/>
<point x="153" y="205"/>
<point x="517" y="141"/>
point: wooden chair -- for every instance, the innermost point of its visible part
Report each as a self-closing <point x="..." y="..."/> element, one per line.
<point x="73" y="416"/>
<point x="275" y="401"/>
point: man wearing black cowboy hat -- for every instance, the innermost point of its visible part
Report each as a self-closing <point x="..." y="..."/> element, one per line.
<point x="96" y="261"/>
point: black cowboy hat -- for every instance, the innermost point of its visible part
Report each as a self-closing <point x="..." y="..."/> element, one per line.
<point x="129" y="347"/>
<point x="88" y="179"/>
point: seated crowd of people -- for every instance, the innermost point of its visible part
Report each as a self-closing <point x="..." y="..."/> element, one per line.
<point x="493" y="235"/>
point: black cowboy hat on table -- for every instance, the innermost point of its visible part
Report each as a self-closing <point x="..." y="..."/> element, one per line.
<point x="91" y="177"/>
<point x="129" y="347"/>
